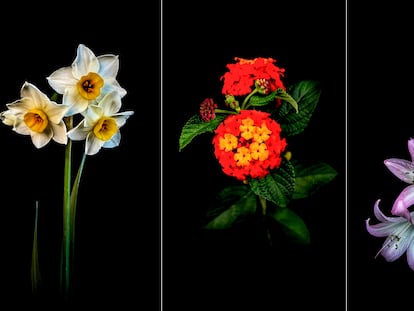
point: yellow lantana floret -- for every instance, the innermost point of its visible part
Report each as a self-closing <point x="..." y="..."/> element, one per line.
<point x="228" y="142"/>
<point x="242" y="156"/>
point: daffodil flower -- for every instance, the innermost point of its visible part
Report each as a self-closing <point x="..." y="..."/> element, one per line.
<point x="400" y="236"/>
<point x="101" y="124"/>
<point x="87" y="81"/>
<point x="36" y="115"/>
<point x="404" y="170"/>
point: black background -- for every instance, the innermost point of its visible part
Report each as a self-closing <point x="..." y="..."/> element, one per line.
<point x="237" y="269"/>
<point x="118" y="251"/>
<point x="117" y="224"/>
<point x="380" y="124"/>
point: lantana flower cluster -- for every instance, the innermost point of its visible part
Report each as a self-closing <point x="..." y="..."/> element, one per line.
<point x="250" y="128"/>
<point x="398" y="229"/>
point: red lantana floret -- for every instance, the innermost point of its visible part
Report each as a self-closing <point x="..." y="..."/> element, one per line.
<point x="248" y="144"/>
<point x="241" y="77"/>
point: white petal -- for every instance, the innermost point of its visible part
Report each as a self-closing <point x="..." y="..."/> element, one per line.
<point x="108" y="65"/>
<point x="62" y="79"/>
<point x="110" y="103"/>
<point x="85" y="62"/>
<point x="395" y="246"/>
<point x="401" y="168"/>
<point x="93" y="144"/>
<point x="59" y="133"/>
<point x="31" y="91"/>
<point x="114" y="141"/>
<point x="120" y="118"/>
<point x="79" y="132"/>
<point x="74" y="101"/>
<point x="41" y="139"/>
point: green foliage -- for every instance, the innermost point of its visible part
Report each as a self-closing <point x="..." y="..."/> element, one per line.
<point x="276" y="187"/>
<point x="292" y="224"/>
<point x="306" y="94"/>
<point x="310" y="176"/>
<point x="196" y="126"/>
<point x="243" y="204"/>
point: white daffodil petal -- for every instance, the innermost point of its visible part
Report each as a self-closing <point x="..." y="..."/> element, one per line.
<point x="74" y="101"/>
<point x="62" y="79"/>
<point x="92" y="116"/>
<point x="113" y="86"/>
<point x="21" y="105"/>
<point x="121" y="118"/>
<point x="85" y="62"/>
<point x="93" y="144"/>
<point x="41" y="139"/>
<point x="110" y="103"/>
<point x="21" y="127"/>
<point x="59" y="133"/>
<point x="56" y="112"/>
<point x="79" y="132"/>
<point x="31" y="91"/>
<point x="114" y="141"/>
<point x="109" y="65"/>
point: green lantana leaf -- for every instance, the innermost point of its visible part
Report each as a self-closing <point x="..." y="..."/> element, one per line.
<point x="292" y="224"/>
<point x="196" y="126"/>
<point x="244" y="204"/>
<point x="260" y="100"/>
<point x="306" y="94"/>
<point x="276" y="187"/>
<point x="310" y="176"/>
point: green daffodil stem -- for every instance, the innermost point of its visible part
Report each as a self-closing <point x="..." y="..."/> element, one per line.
<point x="73" y="202"/>
<point x="66" y="269"/>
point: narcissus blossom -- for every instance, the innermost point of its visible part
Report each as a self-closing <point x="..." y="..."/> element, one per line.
<point x="404" y="170"/>
<point x="36" y="115"/>
<point x="399" y="232"/>
<point x="87" y="81"/>
<point x="101" y="124"/>
<point x="241" y="77"/>
<point x="248" y="144"/>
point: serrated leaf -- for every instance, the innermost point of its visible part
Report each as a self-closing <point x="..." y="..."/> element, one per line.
<point x="310" y="176"/>
<point x="277" y="186"/>
<point x="261" y="100"/>
<point x="244" y="206"/>
<point x="306" y="94"/>
<point x="293" y="225"/>
<point x="196" y="126"/>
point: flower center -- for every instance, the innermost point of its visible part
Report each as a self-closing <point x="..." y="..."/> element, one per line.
<point x="36" y="120"/>
<point x="105" y="128"/>
<point x="89" y="86"/>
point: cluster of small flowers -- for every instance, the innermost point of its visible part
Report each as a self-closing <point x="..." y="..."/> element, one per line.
<point x="399" y="230"/>
<point x="247" y="144"/>
<point x="89" y="89"/>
